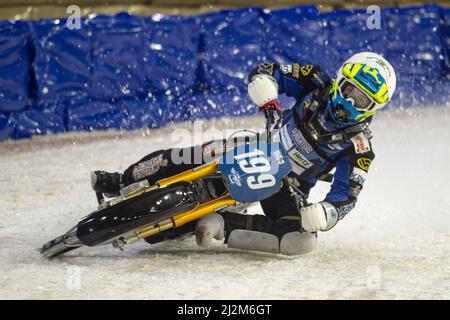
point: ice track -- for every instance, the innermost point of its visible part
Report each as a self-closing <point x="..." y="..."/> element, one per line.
<point x="395" y="244"/>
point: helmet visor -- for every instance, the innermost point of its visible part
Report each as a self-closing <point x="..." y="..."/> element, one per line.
<point x="355" y="95"/>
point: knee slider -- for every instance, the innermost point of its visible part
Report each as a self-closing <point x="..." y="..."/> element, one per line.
<point x="296" y="243"/>
<point x="253" y="241"/>
<point x="292" y="243"/>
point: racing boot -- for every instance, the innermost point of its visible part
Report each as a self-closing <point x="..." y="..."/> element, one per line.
<point x="107" y="183"/>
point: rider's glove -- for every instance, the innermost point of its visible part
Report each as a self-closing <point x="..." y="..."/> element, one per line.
<point x="263" y="89"/>
<point x="319" y="217"/>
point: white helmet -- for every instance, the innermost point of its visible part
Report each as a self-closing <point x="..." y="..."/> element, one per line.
<point x="364" y="84"/>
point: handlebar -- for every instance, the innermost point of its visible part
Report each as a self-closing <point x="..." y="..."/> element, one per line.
<point x="270" y="119"/>
<point x="295" y="192"/>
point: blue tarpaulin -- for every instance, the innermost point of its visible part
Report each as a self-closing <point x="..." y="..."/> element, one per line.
<point x="14" y="64"/>
<point x="129" y="72"/>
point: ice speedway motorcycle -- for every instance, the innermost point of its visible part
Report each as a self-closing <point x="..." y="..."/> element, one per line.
<point x="250" y="172"/>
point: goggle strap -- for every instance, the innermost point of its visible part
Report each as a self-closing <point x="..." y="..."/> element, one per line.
<point x="358" y="128"/>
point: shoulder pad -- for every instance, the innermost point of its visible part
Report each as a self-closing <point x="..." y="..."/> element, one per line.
<point x="263" y="68"/>
<point x="304" y="74"/>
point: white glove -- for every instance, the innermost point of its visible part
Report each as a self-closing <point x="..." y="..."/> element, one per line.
<point x="318" y="217"/>
<point x="262" y="89"/>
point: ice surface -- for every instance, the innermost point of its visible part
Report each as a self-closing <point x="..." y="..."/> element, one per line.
<point x="394" y="244"/>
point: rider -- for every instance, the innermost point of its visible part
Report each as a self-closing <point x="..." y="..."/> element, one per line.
<point x="328" y="127"/>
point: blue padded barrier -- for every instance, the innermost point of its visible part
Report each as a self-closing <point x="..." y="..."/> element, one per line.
<point x="40" y="120"/>
<point x="172" y="54"/>
<point x="416" y="47"/>
<point x="14" y="64"/>
<point x="299" y="35"/>
<point x="128" y="72"/>
<point x="342" y="42"/>
<point x="148" y="113"/>
<point x="119" y="46"/>
<point x="88" y="115"/>
<point x="6" y="125"/>
<point x="133" y="56"/>
<point x="61" y="73"/>
<point x="232" y="45"/>
<point x="126" y="114"/>
<point x="446" y="41"/>
<point x="62" y="61"/>
<point x="414" y="42"/>
<point x="218" y="103"/>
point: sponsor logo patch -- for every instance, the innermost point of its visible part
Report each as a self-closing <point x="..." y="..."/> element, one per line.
<point x="358" y="175"/>
<point x="361" y="143"/>
<point x="296" y="71"/>
<point x="342" y="211"/>
<point x="286" y="68"/>
<point x="364" y="163"/>
<point x="149" y="167"/>
<point x="354" y="192"/>
<point x="287" y="142"/>
<point x="235" y="178"/>
<point x="300" y="141"/>
<point x="212" y="149"/>
<point x="276" y="137"/>
<point x="299" y="159"/>
<point x="306" y="69"/>
<point x="278" y="157"/>
<point x="266" y="68"/>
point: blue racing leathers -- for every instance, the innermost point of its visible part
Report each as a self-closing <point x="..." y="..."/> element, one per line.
<point x="315" y="143"/>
